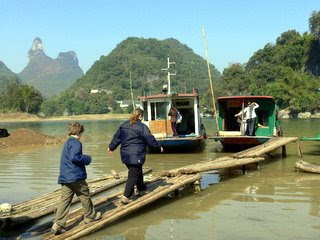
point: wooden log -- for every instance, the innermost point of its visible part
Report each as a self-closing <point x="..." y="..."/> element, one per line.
<point x="307" y="167"/>
<point x="121" y="211"/>
<point x="284" y="151"/>
<point x="265" y="148"/>
<point x="299" y="149"/>
<point x="225" y="162"/>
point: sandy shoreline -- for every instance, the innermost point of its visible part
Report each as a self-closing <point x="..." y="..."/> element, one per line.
<point x="21" y="117"/>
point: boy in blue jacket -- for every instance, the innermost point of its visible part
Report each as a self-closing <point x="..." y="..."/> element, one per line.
<point x="73" y="180"/>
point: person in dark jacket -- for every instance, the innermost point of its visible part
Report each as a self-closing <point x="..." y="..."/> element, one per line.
<point x="73" y="180"/>
<point x="134" y="137"/>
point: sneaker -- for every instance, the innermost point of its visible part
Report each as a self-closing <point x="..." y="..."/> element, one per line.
<point x="97" y="217"/>
<point x="56" y="229"/>
<point x="125" y="200"/>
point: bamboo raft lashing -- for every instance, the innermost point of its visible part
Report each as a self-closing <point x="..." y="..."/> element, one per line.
<point x="45" y="204"/>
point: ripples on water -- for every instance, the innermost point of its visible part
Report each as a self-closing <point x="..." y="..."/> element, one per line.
<point x="272" y="203"/>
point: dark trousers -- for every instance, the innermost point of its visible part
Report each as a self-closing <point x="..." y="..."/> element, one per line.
<point x="174" y="128"/>
<point x="135" y="177"/>
<point x="81" y="189"/>
<point x="251" y="127"/>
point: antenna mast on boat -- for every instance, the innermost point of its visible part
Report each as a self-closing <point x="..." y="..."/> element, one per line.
<point x="169" y="74"/>
<point x="210" y="79"/>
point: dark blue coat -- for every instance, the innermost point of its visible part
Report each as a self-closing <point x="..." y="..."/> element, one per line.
<point x="73" y="162"/>
<point x="134" y="140"/>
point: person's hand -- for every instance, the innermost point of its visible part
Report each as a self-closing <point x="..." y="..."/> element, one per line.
<point x="109" y="151"/>
<point x="161" y="149"/>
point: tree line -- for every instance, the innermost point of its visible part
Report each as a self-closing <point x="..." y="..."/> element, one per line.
<point x="288" y="70"/>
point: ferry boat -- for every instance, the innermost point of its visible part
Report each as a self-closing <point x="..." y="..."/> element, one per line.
<point x="267" y="123"/>
<point x="191" y="131"/>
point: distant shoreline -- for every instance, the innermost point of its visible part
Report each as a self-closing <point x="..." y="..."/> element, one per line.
<point x="22" y="117"/>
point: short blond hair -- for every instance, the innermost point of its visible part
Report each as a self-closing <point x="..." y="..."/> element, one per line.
<point x="75" y="128"/>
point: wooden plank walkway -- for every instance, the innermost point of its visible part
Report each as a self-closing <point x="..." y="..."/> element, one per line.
<point x="45" y="204"/>
<point x="248" y="156"/>
<point x="266" y="147"/>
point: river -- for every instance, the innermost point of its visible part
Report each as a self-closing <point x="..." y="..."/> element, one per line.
<point x="274" y="202"/>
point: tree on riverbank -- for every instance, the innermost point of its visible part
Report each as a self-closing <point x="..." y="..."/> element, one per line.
<point x="289" y="70"/>
<point x="21" y="98"/>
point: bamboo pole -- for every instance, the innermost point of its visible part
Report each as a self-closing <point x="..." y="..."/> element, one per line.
<point x="299" y="149"/>
<point x="210" y="79"/>
<point x="131" y="92"/>
<point x="266" y="147"/>
<point x="214" y="165"/>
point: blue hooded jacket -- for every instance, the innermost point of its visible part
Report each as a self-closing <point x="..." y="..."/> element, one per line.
<point x="134" y="140"/>
<point x="73" y="162"/>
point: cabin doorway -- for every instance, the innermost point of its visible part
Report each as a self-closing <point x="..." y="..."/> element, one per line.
<point x="187" y="124"/>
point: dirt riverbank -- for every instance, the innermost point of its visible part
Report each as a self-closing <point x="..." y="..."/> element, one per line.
<point x="22" y="117"/>
<point x="23" y="137"/>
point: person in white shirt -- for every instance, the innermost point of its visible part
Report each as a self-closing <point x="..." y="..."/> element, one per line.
<point x="250" y="116"/>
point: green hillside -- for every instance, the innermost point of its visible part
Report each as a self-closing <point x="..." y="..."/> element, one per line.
<point x="144" y="58"/>
<point x="7" y="77"/>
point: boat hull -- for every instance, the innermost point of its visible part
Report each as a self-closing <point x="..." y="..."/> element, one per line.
<point x="185" y="144"/>
<point x="240" y="142"/>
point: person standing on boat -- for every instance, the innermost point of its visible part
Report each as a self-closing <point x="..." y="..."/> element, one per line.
<point x="73" y="180"/>
<point x="173" y="113"/>
<point x="250" y="117"/>
<point x="134" y="137"/>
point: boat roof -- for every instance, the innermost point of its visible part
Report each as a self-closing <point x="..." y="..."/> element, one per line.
<point x="174" y="95"/>
<point x="244" y="97"/>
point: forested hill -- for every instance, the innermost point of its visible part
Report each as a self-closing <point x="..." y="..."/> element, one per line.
<point x="7" y="77"/>
<point x="144" y="58"/>
<point x="288" y="70"/>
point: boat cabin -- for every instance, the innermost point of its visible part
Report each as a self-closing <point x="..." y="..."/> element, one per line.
<point x="156" y="109"/>
<point x="266" y="123"/>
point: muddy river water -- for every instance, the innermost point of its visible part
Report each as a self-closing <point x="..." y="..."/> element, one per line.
<point x="274" y="202"/>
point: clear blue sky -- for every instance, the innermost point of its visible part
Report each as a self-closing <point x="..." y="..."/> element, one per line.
<point x="91" y="28"/>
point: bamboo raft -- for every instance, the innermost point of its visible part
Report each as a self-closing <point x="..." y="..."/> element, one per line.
<point x="112" y="209"/>
<point x="45" y="204"/>
<point x="307" y="167"/>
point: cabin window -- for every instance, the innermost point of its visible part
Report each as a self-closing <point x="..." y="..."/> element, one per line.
<point x="158" y="111"/>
